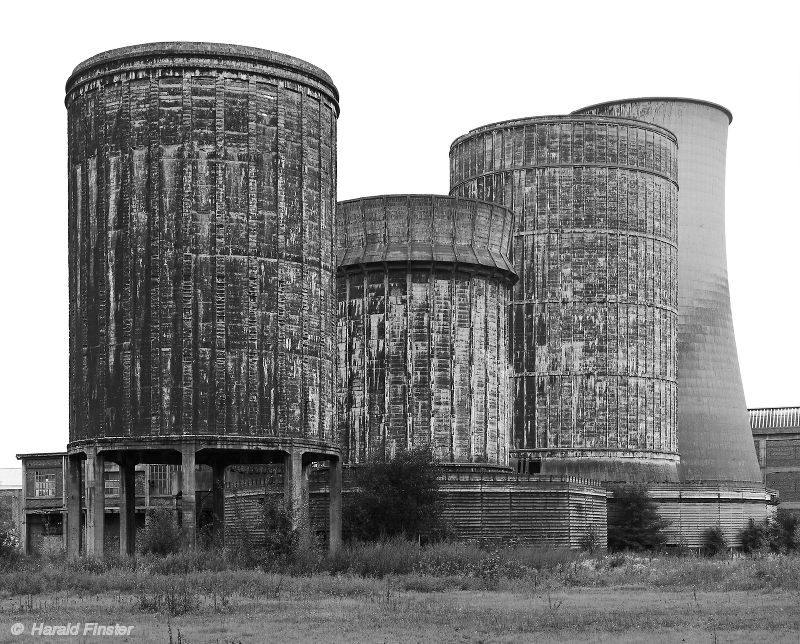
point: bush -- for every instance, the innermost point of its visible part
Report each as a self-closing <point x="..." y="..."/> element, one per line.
<point x="269" y="541"/>
<point x="714" y="542"/>
<point x="590" y="542"/>
<point x="634" y="523"/>
<point x="785" y="532"/>
<point x="161" y="534"/>
<point x="754" y="536"/>
<point x="9" y="541"/>
<point x="396" y="497"/>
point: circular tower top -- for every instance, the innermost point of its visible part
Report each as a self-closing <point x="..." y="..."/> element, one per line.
<point x="660" y="99"/>
<point x="201" y="55"/>
<point x="425" y="228"/>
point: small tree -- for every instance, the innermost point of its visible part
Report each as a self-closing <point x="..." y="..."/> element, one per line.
<point x="9" y="541"/>
<point x="714" y="541"/>
<point x="785" y="532"/>
<point x="267" y="538"/>
<point x="754" y="536"/>
<point x="396" y="497"/>
<point x="634" y="523"/>
<point x="161" y="534"/>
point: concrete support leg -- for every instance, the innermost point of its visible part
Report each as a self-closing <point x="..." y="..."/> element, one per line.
<point x="127" y="508"/>
<point x="295" y="492"/>
<point x="218" y="504"/>
<point x="95" y="503"/>
<point x="74" y="509"/>
<point x="335" y="504"/>
<point x="188" y="497"/>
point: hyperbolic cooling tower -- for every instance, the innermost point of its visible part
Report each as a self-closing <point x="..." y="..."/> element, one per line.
<point x="715" y="441"/>
<point x="423" y="284"/>
<point x="202" y="189"/>
<point x="593" y="317"/>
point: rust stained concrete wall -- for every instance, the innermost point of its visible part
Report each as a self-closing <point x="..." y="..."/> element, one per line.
<point x="422" y="289"/>
<point x="202" y="189"/>
<point x="594" y="315"/>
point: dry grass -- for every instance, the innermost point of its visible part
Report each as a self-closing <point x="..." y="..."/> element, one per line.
<point x="397" y="592"/>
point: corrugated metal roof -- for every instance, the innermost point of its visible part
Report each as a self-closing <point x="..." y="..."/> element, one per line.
<point x="774" y="417"/>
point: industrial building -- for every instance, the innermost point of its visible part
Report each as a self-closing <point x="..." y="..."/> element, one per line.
<point x="558" y="324"/>
<point x="776" y="435"/>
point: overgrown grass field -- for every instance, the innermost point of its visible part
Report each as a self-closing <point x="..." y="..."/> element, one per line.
<point x="398" y="591"/>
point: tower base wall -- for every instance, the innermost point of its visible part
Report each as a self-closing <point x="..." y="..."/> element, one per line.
<point x="693" y="508"/>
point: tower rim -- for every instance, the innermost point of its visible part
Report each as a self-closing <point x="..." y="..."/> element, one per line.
<point x="664" y="99"/>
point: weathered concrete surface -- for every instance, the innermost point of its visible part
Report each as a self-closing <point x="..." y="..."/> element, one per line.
<point x="593" y="317"/>
<point x="202" y="188"/>
<point x="713" y="431"/>
<point x="422" y="286"/>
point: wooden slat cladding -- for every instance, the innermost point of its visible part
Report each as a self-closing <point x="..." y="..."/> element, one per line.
<point x="201" y="231"/>
<point x="593" y="318"/>
<point x="543" y="511"/>
<point x="423" y="287"/>
<point x="690" y="509"/>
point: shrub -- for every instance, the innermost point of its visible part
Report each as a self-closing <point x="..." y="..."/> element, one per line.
<point x="9" y="541"/>
<point x="634" y="523"/>
<point x="754" y="536"/>
<point x="395" y="497"/>
<point x="590" y="542"/>
<point x="270" y="540"/>
<point x="714" y="542"/>
<point x="785" y="532"/>
<point x="161" y="534"/>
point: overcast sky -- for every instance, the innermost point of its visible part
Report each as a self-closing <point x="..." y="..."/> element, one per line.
<point x="412" y="78"/>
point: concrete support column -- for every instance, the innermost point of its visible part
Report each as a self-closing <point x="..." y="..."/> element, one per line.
<point x="95" y="502"/>
<point x="218" y="503"/>
<point x="127" y="508"/>
<point x="335" y="504"/>
<point x="74" y="510"/>
<point x="188" y="497"/>
<point x="21" y="512"/>
<point x="295" y="491"/>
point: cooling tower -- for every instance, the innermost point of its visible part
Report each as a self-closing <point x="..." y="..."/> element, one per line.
<point x="202" y="191"/>
<point x="201" y="203"/>
<point x="422" y="286"/>
<point x="714" y="436"/>
<point x="593" y="317"/>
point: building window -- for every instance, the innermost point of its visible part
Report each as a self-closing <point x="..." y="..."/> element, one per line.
<point x="112" y="483"/>
<point x="160" y="480"/>
<point x="44" y="484"/>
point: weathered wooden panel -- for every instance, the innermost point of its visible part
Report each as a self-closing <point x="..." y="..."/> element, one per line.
<point x="691" y="509"/>
<point x="593" y="318"/>
<point x="201" y="231"/>
<point x="423" y="284"/>
<point x="545" y="511"/>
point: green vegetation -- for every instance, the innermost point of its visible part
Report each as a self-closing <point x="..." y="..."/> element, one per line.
<point x="269" y="541"/>
<point x="397" y="590"/>
<point x="160" y="534"/>
<point x="396" y="497"/>
<point x="633" y="521"/>
<point x="778" y="535"/>
<point x="9" y="540"/>
<point x="714" y="542"/>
